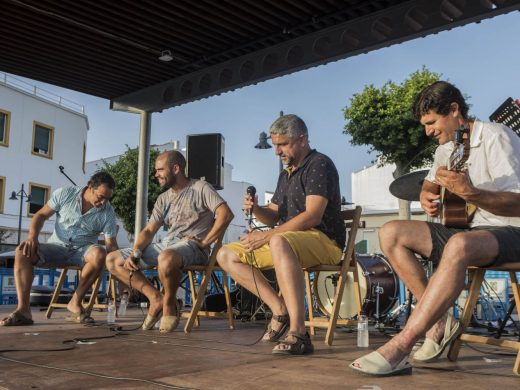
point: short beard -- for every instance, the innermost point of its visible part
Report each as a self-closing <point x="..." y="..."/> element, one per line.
<point x="170" y="181"/>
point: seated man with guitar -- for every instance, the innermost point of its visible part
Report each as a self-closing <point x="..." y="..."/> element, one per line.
<point x="476" y="164"/>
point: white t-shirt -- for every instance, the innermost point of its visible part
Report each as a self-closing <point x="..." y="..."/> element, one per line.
<point x="493" y="165"/>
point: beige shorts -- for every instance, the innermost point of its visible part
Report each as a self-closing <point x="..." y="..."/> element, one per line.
<point x="312" y="247"/>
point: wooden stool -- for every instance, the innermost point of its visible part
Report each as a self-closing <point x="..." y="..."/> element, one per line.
<point x="477" y="277"/>
<point x="57" y="290"/>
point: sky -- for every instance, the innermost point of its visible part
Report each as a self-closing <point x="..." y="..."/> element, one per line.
<point x="481" y="59"/>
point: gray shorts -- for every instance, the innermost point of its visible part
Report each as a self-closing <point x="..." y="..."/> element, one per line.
<point x="190" y="252"/>
<point x="59" y="256"/>
<point x="508" y="238"/>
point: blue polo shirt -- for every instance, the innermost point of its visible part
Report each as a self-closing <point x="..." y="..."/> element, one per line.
<point x="74" y="228"/>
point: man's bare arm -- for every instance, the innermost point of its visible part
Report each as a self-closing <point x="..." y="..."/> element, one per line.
<point x="29" y="247"/>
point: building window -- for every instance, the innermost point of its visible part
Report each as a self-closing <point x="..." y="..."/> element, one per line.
<point x="2" y="193"/>
<point x="39" y="197"/>
<point x="43" y="138"/>
<point x="5" y="117"/>
<point x="84" y="156"/>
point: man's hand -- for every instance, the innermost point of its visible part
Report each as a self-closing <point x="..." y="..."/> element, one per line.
<point x="254" y="240"/>
<point x="430" y="203"/>
<point x="130" y="265"/>
<point x="249" y="203"/>
<point x="29" y="247"/>
<point x="457" y="183"/>
<point x="196" y="240"/>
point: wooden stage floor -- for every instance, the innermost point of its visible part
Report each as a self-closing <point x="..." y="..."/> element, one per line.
<point x="211" y="357"/>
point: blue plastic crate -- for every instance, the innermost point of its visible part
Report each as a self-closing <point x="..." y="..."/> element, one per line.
<point x="7" y="287"/>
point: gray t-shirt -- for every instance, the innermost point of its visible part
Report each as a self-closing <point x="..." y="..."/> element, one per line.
<point x="188" y="212"/>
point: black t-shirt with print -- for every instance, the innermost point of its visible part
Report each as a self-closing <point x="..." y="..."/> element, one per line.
<point x="316" y="175"/>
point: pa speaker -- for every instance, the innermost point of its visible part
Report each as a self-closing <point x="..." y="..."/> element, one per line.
<point x="205" y="158"/>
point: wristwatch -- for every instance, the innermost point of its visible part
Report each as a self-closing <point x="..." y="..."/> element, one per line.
<point x="137" y="254"/>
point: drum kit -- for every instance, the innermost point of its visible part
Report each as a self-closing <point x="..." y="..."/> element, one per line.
<point x="379" y="285"/>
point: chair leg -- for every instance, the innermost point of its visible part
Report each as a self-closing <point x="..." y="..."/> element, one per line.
<point x="478" y="277"/>
<point x="93" y="297"/>
<point x="56" y="293"/>
<point x="312" y="329"/>
<point x="199" y="298"/>
<point x="228" y="301"/>
<point x="516" y="293"/>
<point x="338" y="296"/>
<point x="194" y="294"/>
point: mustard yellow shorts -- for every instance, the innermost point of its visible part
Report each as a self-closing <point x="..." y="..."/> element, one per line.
<point x="312" y="247"/>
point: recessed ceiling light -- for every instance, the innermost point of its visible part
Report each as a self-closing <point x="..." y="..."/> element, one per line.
<point x="166" y="56"/>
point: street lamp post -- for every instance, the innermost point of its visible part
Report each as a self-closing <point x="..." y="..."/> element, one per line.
<point x="14" y="196"/>
<point x="263" y="144"/>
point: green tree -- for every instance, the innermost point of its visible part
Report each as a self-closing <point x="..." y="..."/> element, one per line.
<point x="124" y="172"/>
<point x="382" y="119"/>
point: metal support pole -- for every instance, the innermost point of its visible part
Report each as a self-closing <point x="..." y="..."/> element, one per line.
<point x="22" y="192"/>
<point x="141" y="209"/>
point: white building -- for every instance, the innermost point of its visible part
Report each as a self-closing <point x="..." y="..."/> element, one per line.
<point x="233" y="193"/>
<point x="370" y="190"/>
<point x="39" y="132"/>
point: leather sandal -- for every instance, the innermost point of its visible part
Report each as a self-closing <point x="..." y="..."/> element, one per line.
<point x="80" y="318"/>
<point x="430" y="350"/>
<point x="275" y="335"/>
<point x="301" y="346"/>
<point x="16" y="319"/>
<point x="374" y="364"/>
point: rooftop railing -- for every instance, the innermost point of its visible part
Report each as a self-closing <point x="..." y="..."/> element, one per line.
<point x="20" y="84"/>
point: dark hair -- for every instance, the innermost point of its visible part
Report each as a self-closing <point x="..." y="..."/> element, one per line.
<point x="102" y="178"/>
<point x="175" y="157"/>
<point x="438" y="97"/>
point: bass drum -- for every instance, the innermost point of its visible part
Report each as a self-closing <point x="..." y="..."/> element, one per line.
<point x="377" y="282"/>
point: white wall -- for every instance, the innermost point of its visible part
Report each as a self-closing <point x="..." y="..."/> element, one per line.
<point x="20" y="166"/>
<point x="370" y="189"/>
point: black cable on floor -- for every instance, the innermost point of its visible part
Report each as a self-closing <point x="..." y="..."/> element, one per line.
<point x="129" y="379"/>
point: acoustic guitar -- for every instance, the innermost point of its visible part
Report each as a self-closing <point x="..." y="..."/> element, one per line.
<point x="456" y="212"/>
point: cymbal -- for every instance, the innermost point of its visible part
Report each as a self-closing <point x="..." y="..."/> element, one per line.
<point x="408" y="187"/>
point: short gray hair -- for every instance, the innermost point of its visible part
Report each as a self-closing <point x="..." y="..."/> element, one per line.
<point x="290" y="125"/>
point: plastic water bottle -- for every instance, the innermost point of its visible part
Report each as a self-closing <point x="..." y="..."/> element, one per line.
<point x="362" y="332"/>
<point x="111" y="312"/>
<point x="122" y="305"/>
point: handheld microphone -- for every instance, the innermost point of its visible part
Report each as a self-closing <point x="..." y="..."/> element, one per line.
<point x="251" y="191"/>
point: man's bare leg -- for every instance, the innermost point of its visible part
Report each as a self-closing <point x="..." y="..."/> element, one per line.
<point x="476" y="248"/>
<point x="289" y="274"/>
<point x="400" y="241"/>
<point x="170" y="274"/>
<point x="94" y="263"/>
<point x="253" y="280"/>
<point x="23" y="276"/>
<point x="115" y="265"/>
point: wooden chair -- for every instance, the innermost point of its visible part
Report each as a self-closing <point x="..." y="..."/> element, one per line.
<point x="477" y="277"/>
<point x="347" y="264"/>
<point x="199" y="294"/>
<point x="92" y="302"/>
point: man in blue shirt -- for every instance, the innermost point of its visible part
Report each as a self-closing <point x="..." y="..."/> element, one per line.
<point x="82" y="213"/>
